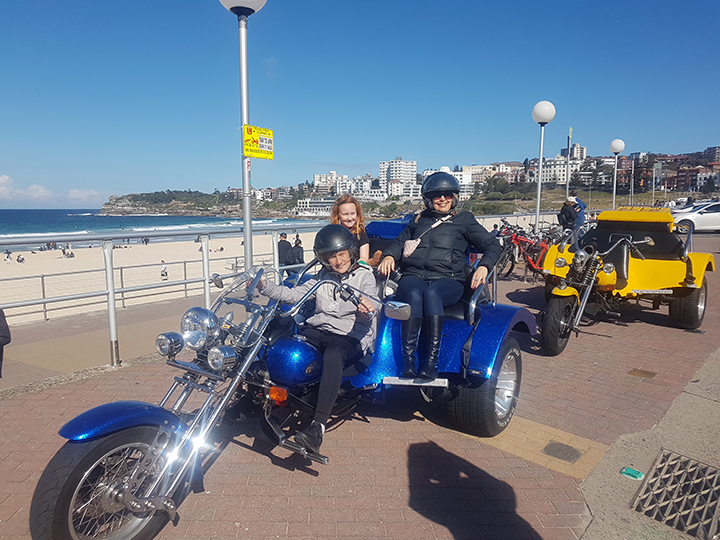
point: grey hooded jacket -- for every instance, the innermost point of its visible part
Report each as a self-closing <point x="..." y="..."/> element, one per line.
<point x="333" y="314"/>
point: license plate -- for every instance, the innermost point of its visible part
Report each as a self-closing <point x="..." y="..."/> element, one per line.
<point x="652" y="291"/>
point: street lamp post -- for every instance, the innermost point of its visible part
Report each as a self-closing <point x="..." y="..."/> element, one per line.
<point x="243" y="9"/>
<point x="567" y="169"/>
<point x="543" y="113"/>
<point x="617" y="146"/>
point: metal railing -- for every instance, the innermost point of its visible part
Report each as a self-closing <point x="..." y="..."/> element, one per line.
<point x="111" y="292"/>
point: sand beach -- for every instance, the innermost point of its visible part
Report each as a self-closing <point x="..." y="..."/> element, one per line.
<point x="46" y="274"/>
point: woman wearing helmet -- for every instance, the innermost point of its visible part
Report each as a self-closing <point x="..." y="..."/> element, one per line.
<point x="339" y="329"/>
<point x="434" y="272"/>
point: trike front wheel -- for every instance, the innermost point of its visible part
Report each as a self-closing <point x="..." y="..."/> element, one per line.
<point x="74" y="498"/>
<point x="557" y="324"/>
<point x="485" y="408"/>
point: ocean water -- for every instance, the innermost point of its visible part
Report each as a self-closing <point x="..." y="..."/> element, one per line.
<point x="24" y="223"/>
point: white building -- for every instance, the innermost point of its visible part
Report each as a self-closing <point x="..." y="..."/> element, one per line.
<point x="315" y="206"/>
<point x="325" y="183"/>
<point x="576" y="152"/>
<point x="397" y="169"/>
<point x="555" y="170"/>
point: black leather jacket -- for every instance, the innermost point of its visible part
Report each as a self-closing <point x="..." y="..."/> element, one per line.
<point x="442" y="251"/>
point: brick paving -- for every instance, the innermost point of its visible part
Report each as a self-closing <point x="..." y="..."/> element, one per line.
<point x="396" y="471"/>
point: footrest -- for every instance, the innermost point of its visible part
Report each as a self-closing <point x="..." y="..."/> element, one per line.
<point x="397" y="381"/>
<point x="299" y="449"/>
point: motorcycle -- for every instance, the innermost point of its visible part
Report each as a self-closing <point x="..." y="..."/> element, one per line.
<point x="642" y="257"/>
<point x="127" y="465"/>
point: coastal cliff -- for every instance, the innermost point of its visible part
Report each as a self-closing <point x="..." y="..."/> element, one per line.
<point x="129" y="205"/>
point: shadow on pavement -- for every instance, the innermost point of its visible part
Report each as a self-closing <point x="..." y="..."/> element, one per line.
<point x="457" y="495"/>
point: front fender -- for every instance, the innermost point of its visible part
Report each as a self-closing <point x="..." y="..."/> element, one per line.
<point x="496" y="322"/>
<point x="116" y="416"/>
<point x="566" y="291"/>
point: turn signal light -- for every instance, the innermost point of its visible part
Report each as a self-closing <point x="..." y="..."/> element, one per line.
<point x="278" y="393"/>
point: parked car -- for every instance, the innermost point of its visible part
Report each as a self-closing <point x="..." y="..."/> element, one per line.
<point x="705" y="217"/>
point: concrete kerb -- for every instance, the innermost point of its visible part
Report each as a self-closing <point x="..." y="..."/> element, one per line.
<point x="689" y="427"/>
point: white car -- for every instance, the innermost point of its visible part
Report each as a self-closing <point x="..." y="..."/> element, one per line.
<point x="705" y="217"/>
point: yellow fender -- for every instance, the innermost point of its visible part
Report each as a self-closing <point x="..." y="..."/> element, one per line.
<point x="566" y="291"/>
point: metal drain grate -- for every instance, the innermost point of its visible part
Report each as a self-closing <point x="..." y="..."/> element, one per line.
<point x="682" y="493"/>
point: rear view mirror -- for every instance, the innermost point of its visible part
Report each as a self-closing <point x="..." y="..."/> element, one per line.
<point x="397" y="310"/>
<point x="217" y="281"/>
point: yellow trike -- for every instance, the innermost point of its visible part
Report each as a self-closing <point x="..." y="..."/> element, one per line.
<point x="632" y="253"/>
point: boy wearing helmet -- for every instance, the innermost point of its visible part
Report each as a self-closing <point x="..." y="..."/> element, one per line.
<point x="339" y="329"/>
<point x="434" y="269"/>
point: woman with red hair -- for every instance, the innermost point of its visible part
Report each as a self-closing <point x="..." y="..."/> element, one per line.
<point x="347" y="212"/>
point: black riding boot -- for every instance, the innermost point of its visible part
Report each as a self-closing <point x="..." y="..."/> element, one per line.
<point x="410" y="334"/>
<point x="434" y="329"/>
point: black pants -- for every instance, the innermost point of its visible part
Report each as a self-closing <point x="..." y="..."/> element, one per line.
<point x="336" y="350"/>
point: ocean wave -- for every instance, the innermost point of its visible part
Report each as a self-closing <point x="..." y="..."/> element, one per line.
<point x="54" y="233"/>
<point x="85" y="214"/>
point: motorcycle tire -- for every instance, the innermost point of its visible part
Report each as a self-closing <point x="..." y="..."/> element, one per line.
<point x="486" y="408"/>
<point x="555" y="327"/>
<point x="688" y="310"/>
<point x="74" y="479"/>
<point x="506" y="264"/>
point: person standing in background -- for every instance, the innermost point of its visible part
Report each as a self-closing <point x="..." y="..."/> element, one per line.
<point x="283" y="248"/>
<point x="580" y="207"/>
<point x="296" y="255"/>
<point x="4" y="336"/>
<point x="163" y="271"/>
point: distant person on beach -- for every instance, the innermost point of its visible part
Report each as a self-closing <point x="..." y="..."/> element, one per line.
<point x="20" y="258"/>
<point x="296" y="255"/>
<point x="163" y="271"/>
<point x="4" y="336"/>
<point x="283" y="247"/>
<point x="347" y="212"/>
<point x="8" y="256"/>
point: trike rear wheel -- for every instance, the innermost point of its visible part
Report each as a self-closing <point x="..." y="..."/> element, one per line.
<point x="687" y="310"/>
<point x="486" y="407"/>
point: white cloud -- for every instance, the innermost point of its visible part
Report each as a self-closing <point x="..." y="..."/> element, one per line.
<point x="33" y="193"/>
<point x="83" y="195"/>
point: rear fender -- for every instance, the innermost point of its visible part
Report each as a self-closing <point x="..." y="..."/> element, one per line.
<point x="116" y="416"/>
<point x="496" y="322"/>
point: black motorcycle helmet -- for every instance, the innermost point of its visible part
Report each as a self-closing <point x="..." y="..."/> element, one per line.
<point x="440" y="182"/>
<point x="331" y="239"/>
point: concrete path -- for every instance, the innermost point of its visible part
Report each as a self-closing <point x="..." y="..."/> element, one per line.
<point x="613" y="399"/>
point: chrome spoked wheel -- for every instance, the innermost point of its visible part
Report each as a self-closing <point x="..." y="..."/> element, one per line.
<point x="507" y="383"/>
<point x="96" y="510"/>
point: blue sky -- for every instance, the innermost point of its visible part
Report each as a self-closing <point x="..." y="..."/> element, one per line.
<point x="109" y="98"/>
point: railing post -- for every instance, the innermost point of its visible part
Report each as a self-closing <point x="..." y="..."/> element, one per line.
<point x="112" y="315"/>
<point x="276" y="257"/>
<point x="494" y="286"/>
<point x="122" y="286"/>
<point x="185" y="276"/>
<point x="42" y="285"/>
<point x="205" y="241"/>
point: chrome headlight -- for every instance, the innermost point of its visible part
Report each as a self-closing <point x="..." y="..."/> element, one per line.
<point x="580" y="258"/>
<point x="608" y="268"/>
<point x="169" y="343"/>
<point x="218" y="357"/>
<point x="560" y="263"/>
<point x="200" y="328"/>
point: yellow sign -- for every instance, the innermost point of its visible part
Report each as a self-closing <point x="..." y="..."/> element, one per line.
<point x="258" y="142"/>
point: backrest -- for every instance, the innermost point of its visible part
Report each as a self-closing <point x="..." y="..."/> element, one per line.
<point x="668" y="245"/>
